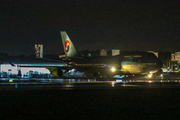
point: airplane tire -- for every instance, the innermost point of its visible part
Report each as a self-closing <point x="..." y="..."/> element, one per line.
<point x="96" y="74"/>
<point x="60" y="72"/>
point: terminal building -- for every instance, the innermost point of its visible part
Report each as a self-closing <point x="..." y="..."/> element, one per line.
<point x="33" y="67"/>
<point x="112" y="52"/>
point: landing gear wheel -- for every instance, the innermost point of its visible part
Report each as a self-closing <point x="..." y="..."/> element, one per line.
<point x="96" y="74"/>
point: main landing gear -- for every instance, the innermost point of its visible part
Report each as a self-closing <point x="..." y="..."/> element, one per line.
<point x="97" y="75"/>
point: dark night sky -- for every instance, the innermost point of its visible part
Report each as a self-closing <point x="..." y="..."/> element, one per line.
<point x="91" y="25"/>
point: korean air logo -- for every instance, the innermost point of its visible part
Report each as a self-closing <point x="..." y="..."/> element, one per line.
<point x="67" y="46"/>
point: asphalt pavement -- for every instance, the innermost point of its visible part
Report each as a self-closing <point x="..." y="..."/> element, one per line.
<point x="89" y="99"/>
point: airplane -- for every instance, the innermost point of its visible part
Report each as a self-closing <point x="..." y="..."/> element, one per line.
<point x="103" y="66"/>
<point x="108" y="66"/>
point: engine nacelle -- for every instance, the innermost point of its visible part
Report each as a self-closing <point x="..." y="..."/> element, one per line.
<point x="57" y="72"/>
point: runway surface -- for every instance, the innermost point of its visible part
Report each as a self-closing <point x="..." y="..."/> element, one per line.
<point x="89" y="99"/>
<point x="73" y="84"/>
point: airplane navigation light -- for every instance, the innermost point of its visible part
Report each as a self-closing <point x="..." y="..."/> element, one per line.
<point x="149" y="75"/>
<point x="113" y="69"/>
<point x="124" y="66"/>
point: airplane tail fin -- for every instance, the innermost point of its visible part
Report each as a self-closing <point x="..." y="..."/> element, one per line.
<point x="69" y="48"/>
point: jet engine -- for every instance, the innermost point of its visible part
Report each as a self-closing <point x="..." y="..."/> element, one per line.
<point x="57" y="72"/>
